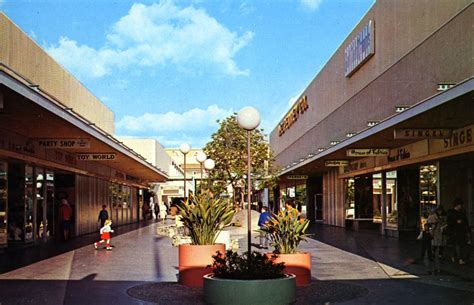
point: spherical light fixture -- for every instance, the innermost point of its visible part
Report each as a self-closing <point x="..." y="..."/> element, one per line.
<point x="209" y="164"/>
<point x="201" y="157"/>
<point x="248" y="118"/>
<point x="184" y="148"/>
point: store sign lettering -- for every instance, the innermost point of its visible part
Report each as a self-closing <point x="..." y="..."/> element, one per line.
<point x="459" y="138"/>
<point x="367" y="152"/>
<point x="63" y="143"/>
<point x="360" y="49"/>
<point x="297" y="177"/>
<point x="336" y="163"/>
<point x="422" y="133"/>
<point x="298" y="109"/>
<point x="402" y="154"/>
<point x="96" y="157"/>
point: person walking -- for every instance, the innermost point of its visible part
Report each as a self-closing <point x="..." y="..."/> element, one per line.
<point x="458" y="232"/>
<point x="264" y="217"/>
<point x="425" y="237"/>
<point x="105" y="235"/>
<point x="437" y="221"/>
<point x="103" y="215"/>
<point x="65" y="217"/>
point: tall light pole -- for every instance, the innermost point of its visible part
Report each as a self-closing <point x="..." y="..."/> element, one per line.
<point x="201" y="157"/>
<point x="248" y="118"/>
<point x="184" y="148"/>
<point x="209" y="164"/>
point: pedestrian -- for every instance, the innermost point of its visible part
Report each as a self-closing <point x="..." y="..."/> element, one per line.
<point x="459" y="234"/>
<point x="163" y="212"/>
<point x="437" y="222"/>
<point x="262" y="220"/>
<point x="103" y="215"/>
<point x="290" y="208"/>
<point x="425" y="237"/>
<point x="65" y="217"/>
<point x="105" y="235"/>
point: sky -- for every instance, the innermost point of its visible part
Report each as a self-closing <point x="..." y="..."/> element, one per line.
<point x="170" y="69"/>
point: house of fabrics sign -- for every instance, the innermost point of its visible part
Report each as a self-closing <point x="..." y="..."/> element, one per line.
<point x="360" y="49"/>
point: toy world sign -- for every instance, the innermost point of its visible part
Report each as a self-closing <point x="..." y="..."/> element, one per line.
<point x="96" y="157"/>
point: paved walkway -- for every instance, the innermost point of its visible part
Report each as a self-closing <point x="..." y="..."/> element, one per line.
<point x="87" y="276"/>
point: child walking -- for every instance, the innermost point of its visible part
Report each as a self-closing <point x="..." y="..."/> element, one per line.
<point x="105" y="235"/>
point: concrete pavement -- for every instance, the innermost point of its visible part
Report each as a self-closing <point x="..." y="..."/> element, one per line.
<point x="87" y="276"/>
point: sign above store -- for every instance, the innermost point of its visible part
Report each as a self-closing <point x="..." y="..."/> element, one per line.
<point x="297" y="177"/>
<point x="64" y="143"/>
<point x="422" y="133"/>
<point x="336" y="163"/>
<point x="96" y="157"/>
<point x="299" y="108"/>
<point x="367" y="152"/>
<point x="360" y="49"/>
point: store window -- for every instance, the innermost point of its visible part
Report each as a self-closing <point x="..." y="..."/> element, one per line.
<point x="29" y="201"/>
<point x="3" y="203"/>
<point x="349" y="199"/>
<point x="428" y="190"/>
<point x="392" y="206"/>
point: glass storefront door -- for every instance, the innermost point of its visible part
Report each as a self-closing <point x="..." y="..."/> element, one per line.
<point x="29" y="203"/>
<point x="45" y="209"/>
<point x="3" y="203"/>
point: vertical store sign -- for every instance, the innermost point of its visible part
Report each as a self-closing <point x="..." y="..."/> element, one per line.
<point x="360" y="49"/>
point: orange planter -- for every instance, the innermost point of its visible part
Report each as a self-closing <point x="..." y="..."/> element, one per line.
<point x="193" y="262"/>
<point x="298" y="264"/>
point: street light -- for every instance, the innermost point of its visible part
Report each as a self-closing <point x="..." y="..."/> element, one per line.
<point x="248" y="118"/>
<point x="201" y="157"/>
<point x="209" y="164"/>
<point x="184" y="148"/>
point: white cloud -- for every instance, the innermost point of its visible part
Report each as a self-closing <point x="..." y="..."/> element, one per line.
<point x="311" y="5"/>
<point x="193" y="126"/>
<point x="154" y="35"/>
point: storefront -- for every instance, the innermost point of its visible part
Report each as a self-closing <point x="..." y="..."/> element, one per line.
<point x="386" y="132"/>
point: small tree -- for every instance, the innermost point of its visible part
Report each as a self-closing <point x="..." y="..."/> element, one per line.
<point x="228" y="147"/>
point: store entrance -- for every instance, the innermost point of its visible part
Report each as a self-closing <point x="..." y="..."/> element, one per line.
<point x="45" y="216"/>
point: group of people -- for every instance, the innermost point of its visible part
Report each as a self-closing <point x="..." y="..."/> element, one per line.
<point x="264" y="217"/>
<point x="446" y="235"/>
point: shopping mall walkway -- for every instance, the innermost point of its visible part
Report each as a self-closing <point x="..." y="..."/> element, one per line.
<point x="87" y="276"/>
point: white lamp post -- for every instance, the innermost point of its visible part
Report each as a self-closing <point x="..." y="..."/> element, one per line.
<point x="209" y="164"/>
<point x="248" y="118"/>
<point x="201" y="157"/>
<point x="184" y="148"/>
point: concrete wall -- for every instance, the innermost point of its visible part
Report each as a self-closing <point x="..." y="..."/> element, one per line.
<point x="152" y="150"/>
<point x="412" y="55"/>
<point x="21" y="54"/>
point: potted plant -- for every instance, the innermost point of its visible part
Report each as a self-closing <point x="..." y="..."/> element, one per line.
<point x="248" y="279"/>
<point x="286" y="230"/>
<point x="203" y="218"/>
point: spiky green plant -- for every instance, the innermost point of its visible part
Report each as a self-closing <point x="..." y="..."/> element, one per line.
<point x="286" y="230"/>
<point x="205" y="217"/>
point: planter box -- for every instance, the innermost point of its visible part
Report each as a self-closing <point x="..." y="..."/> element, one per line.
<point x="249" y="292"/>
<point x="298" y="264"/>
<point x="193" y="262"/>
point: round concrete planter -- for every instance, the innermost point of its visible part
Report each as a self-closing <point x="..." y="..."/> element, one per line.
<point x="298" y="264"/>
<point x="249" y="292"/>
<point x="193" y="262"/>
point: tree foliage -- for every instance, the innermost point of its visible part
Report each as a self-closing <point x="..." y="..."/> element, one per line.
<point x="228" y="147"/>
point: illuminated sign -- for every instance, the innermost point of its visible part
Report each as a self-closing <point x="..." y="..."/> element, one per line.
<point x="299" y="108"/>
<point x="96" y="157"/>
<point x="336" y="163"/>
<point x="367" y="152"/>
<point x="64" y="143"/>
<point x="297" y="177"/>
<point x="422" y="133"/>
<point x="360" y="49"/>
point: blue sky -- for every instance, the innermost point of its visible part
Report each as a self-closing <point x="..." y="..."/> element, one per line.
<point x="170" y="69"/>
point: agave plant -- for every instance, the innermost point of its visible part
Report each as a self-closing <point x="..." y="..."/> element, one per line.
<point x="205" y="217"/>
<point x="286" y="230"/>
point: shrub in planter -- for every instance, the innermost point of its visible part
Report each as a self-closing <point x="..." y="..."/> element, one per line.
<point x="286" y="231"/>
<point x="251" y="278"/>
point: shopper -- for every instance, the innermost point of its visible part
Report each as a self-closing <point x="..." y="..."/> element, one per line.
<point x="437" y="221"/>
<point x="65" y="217"/>
<point x="425" y="237"/>
<point x="264" y="216"/>
<point x="103" y="215"/>
<point x="105" y="235"/>
<point x="458" y="232"/>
